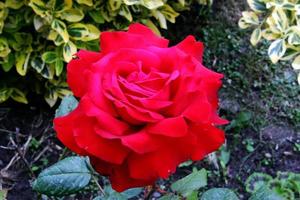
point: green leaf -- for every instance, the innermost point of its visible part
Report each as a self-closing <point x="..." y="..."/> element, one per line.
<point x="61" y="29"/>
<point x="257" y="5"/>
<point x="131" y="2"/>
<point x="85" y="2"/>
<point x="161" y="19"/>
<point x="47" y="71"/>
<point x="133" y="192"/>
<point x="18" y="96"/>
<point x="276" y="50"/>
<point x="60" y="6"/>
<point x="69" y="50"/>
<point x="78" y="31"/>
<point x="57" y="39"/>
<point x="257" y="180"/>
<point x="152" y="4"/>
<point x="49" y="57"/>
<point x="169" y="13"/>
<point x="190" y="183"/>
<point x="170" y="197"/>
<point x="125" y="12"/>
<point x="20" y="64"/>
<point x="264" y="193"/>
<point x="193" y="196"/>
<point x="73" y="15"/>
<point x="5" y="94"/>
<point x="39" y="23"/>
<point x="296" y="63"/>
<point x="93" y="33"/>
<point x="66" y="177"/>
<point x="96" y="16"/>
<point x="14" y="4"/>
<point x="59" y="66"/>
<point x="3" y="194"/>
<point x="255" y="36"/>
<point x="152" y="26"/>
<point x="67" y="105"/>
<point x="39" y="7"/>
<point x="250" y="18"/>
<point x="280" y="19"/>
<point x="111" y="194"/>
<point x="4" y="48"/>
<point x="294" y="35"/>
<point x="8" y="62"/>
<point x="37" y="63"/>
<point x="220" y="194"/>
<point x="114" y="4"/>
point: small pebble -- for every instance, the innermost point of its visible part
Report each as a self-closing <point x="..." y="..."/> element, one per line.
<point x="156" y="194"/>
<point x="287" y="153"/>
<point x="268" y="155"/>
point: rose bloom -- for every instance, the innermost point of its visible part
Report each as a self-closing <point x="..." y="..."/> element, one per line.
<point x="144" y="107"/>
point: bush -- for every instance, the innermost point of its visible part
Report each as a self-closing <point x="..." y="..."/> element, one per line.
<point x="277" y="22"/>
<point x="38" y="37"/>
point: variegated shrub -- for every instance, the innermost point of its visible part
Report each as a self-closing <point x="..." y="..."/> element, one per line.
<point x="37" y="37"/>
<point x="277" y="21"/>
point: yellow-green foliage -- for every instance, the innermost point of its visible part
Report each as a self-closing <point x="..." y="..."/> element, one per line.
<point x="37" y="37"/>
<point x="279" y="22"/>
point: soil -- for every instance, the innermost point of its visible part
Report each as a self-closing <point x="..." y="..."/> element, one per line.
<point x="30" y="127"/>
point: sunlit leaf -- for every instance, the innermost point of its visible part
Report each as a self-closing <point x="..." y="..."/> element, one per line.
<point x="61" y="29"/>
<point x="65" y="177"/>
<point x="67" y="105"/>
<point x="255" y="36"/>
<point x="49" y="57"/>
<point x="18" y="96"/>
<point x="190" y="183"/>
<point x="69" y="50"/>
<point x="220" y="194"/>
<point x="276" y="50"/>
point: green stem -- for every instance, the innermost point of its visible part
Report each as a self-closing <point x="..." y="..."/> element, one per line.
<point x="98" y="185"/>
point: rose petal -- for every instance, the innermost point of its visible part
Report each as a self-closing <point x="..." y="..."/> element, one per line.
<point x="209" y="139"/>
<point x="141" y="142"/>
<point x="160" y="163"/>
<point x="199" y="111"/>
<point x="121" y="180"/>
<point x="137" y="37"/>
<point x="108" y="150"/>
<point x="64" y="129"/>
<point x="95" y="93"/>
<point x="105" y="120"/>
<point x="171" y="127"/>
<point x="191" y="47"/>
<point x="148" y="34"/>
<point x="76" y="70"/>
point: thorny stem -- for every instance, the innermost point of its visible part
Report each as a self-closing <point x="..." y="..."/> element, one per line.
<point x="98" y="185"/>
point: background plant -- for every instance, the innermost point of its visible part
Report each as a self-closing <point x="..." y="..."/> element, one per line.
<point x="38" y="37"/>
<point x="277" y="22"/>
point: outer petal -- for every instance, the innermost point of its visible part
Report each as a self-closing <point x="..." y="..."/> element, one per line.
<point x="209" y="139"/>
<point x="121" y="180"/>
<point x="108" y="150"/>
<point x="76" y="70"/>
<point x="191" y="47"/>
<point x="199" y="110"/>
<point x="64" y="127"/>
<point x="149" y="34"/>
<point x="104" y="120"/>
<point x="138" y="36"/>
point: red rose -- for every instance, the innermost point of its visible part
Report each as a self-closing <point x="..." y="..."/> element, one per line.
<point x="144" y="107"/>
